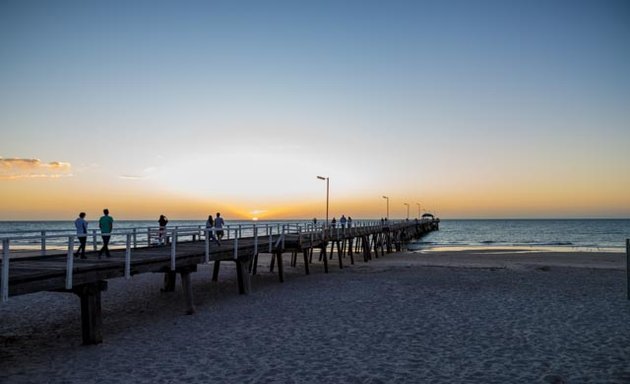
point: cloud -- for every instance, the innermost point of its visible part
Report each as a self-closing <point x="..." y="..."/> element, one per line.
<point x="16" y="168"/>
<point x="145" y="173"/>
<point x="132" y="177"/>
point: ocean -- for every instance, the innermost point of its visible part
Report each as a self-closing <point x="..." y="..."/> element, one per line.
<point x="586" y="235"/>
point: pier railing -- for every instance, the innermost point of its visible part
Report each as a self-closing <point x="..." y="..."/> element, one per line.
<point x="132" y="238"/>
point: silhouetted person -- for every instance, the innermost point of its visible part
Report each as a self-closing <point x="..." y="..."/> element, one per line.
<point x="106" y="224"/>
<point x="218" y="224"/>
<point x="210" y="228"/>
<point x="162" y="231"/>
<point x="349" y="221"/>
<point x="81" y="226"/>
<point x="343" y="221"/>
<point x="333" y="223"/>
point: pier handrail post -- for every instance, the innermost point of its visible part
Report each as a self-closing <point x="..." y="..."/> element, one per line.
<point x="628" y="267"/>
<point x="69" y="262"/>
<point x="173" y="248"/>
<point x="135" y="238"/>
<point x="207" y="246"/>
<point x="228" y="232"/>
<point x="255" y="240"/>
<point x="43" y="244"/>
<point x="94" y="242"/>
<point x="270" y="241"/>
<point x="148" y="236"/>
<point x="5" y="271"/>
<point x="128" y="255"/>
<point x="235" y="247"/>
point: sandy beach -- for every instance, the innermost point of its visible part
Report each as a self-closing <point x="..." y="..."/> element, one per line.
<point x="489" y="316"/>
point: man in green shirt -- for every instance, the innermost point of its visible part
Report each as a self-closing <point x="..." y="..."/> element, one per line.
<point x="106" y="223"/>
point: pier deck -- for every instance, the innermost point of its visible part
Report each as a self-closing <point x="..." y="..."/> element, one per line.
<point x="88" y="277"/>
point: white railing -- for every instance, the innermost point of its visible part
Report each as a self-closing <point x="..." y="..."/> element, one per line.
<point x="173" y="235"/>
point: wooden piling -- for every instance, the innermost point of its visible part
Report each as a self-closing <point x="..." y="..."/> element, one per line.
<point x="91" y="314"/>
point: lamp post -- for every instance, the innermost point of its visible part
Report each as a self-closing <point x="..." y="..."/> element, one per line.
<point x="327" y="194"/>
<point x="387" y="198"/>
<point x="407" y="204"/>
<point x="418" y="204"/>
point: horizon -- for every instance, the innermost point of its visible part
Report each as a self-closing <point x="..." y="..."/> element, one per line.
<point x="356" y="219"/>
<point x="474" y="110"/>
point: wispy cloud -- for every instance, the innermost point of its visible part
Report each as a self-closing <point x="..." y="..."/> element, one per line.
<point x="145" y="173"/>
<point x="18" y="168"/>
<point x="132" y="177"/>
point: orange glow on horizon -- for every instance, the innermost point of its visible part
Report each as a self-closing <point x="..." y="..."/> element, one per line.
<point x="47" y="199"/>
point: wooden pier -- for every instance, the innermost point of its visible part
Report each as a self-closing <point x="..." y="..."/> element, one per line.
<point x="88" y="277"/>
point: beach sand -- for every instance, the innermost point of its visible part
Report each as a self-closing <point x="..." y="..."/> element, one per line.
<point x="438" y="317"/>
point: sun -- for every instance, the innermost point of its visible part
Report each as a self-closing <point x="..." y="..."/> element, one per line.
<point x="254" y="219"/>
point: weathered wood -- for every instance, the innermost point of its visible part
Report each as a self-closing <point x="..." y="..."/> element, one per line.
<point x="242" y="275"/>
<point x="350" y="253"/>
<point x="339" y="254"/>
<point x="306" y="252"/>
<point x="91" y="314"/>
<point x="323" y="250"/>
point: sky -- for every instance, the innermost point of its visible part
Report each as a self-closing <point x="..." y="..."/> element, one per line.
<point x="467" y="109"/>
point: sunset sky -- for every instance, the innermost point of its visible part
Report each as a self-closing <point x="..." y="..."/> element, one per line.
<point x="474" y="109"/>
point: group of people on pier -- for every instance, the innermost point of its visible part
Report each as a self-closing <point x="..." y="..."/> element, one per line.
<point x="106" y="225"/>
<point x="342" y="222"/>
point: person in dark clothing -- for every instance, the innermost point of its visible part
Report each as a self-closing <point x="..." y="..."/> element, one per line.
<point x="81" y="226"/>
<point x="106" y="224"/>
<point x="162" y="231"/>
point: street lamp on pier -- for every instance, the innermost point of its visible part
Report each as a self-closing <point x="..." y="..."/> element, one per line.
<point x="387" y="198"/>
<point x="407" y="204"/>
<point x="327" y="194"/>
<point x="418" y="204"/>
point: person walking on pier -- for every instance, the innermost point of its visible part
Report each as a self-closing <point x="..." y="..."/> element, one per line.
<point x="349" y="222"/>
<point x="343" y="221"/>
<point x="333" y="223"/>
<point x="81" y="226"/>
<point x="218" y="224"/>
<point x="210" y="228"/>
<point x="162" y="231"/>
<point x="106" y="224"/>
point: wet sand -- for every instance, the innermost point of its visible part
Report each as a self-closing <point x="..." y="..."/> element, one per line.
<point x="439" y="317"/>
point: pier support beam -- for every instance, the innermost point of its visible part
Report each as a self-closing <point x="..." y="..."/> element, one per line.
<point x="242" y="275"/>
<point x="215" y="270"/>
<point x="91" y="315"/>
<point x="306" y="254"/>
<point x="280" y="266"/>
